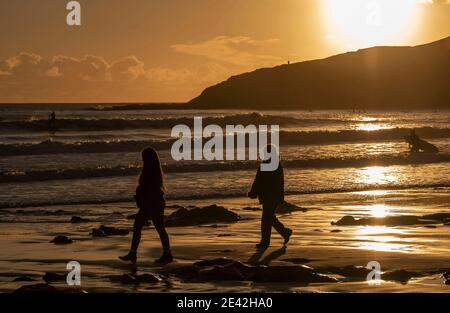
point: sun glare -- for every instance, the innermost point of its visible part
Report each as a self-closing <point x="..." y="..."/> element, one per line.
<point x="363" y="23"/>
<point x="377" y="175"/>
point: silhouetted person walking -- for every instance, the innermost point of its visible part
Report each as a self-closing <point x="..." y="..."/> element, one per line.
<point x="268" y="187"/>
<point x="151" y="203"/>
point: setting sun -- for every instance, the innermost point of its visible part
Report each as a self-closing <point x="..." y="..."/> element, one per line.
<point x="371" y="22"/>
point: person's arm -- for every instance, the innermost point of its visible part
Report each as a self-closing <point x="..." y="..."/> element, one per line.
<point x="253" y="193"/>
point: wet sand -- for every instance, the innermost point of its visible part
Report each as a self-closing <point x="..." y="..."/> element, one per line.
<point x="422" y="249"/>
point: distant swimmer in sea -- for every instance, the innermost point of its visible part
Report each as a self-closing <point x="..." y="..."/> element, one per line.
<point x="416" y="144"/>
<point x="268" y="187"/>
<point x="51" y="120"/>
<point x="151" y="203"/>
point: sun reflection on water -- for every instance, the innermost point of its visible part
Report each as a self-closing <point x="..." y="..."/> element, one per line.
<point x="382" y="238"/>
<point x="372" y="126"/>
<point x="379" y="210"/>
<point x="377" y="175"/>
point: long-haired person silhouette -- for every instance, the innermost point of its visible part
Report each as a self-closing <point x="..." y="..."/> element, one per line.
<point x="268" y="187"/>
<point x="151" y="203"/>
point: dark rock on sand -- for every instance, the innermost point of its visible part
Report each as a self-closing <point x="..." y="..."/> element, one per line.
<point x="61" y="240"/>
<point x="104" y="231"/>
<point x="46" y="288"/>
<point x="335" y="231"/>
<point x="77" y="220"/>
<point x="286" y="207"/>
<point x="50" y="277"/>
<point x="223" y="269"/>
<point x="124" y="279"/>
<point x="23" y="278"/>
<point x="148" y="278"/>
<point x="349" y="271"/>
<point x="401" y="220"/>
<point x="130" y="279"/>
<point x="198" y="216"/>
<point x="401" y="276"/>
<point x="37" y="288"/>
<point x="437" y="216"/>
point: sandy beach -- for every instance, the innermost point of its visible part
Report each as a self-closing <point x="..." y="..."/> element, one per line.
<point x="421" y="250"/>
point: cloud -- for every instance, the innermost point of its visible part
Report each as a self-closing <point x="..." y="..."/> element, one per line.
<point x="236" y="50"/>
<point x="29" y="77"/>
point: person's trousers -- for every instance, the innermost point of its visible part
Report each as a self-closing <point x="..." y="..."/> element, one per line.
<point x="269" y="220"/>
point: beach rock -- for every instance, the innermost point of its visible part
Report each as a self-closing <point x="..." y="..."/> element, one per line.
<point x="291" y="274"/>
<point x="349" y="271"/>
<point x="37" y="288"/>
<point x="124" y="279"/>
<point x="401" y="220"/>
<point x="175" y="206"/>
<point x="51" y="277"/>
<point x="104" y="231"/>
<point x="71" y="290"/>
<point x="223" y="269"/>
<point x="286" y="207"/>
<point x="198" y="216"/>
<point x="402" y="276"/>
<point x="148" y="278"/>
<point x="77" y="220"/>
<point x="23" y="278"/>
<point x="61" y="240"/>
<point x="130" y="279"/>
<point x="46" y="288"/>
<point x="437" y="216"/>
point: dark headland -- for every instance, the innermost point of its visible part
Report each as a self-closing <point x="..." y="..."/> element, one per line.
<point x="374" y="78"/>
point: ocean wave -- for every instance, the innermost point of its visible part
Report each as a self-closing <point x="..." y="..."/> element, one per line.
<point x="223" y="195"/>
<point x="286" y="138"/>
<point x="58" y="147"/>
<point x="80" y="124"/>
<point x="192" y="167"/>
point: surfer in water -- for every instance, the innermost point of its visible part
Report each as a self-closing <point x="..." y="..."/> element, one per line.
<point x="416" y="144"/>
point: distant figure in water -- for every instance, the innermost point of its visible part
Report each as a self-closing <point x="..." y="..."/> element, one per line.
<point x="268" y="187"/>
<point x="151" y="203"/>
<point x="416" y="144"/>
<point x="51" y="119"/>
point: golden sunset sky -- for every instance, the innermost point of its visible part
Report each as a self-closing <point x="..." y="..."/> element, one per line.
<point x="170" y="50"/>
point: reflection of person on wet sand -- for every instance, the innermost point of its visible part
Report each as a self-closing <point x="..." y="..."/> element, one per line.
<point x="268" y="187"/>
<point x="151" y="203"/>
<point x="417" y="144"/>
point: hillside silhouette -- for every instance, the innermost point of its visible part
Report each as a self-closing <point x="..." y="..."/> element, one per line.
<point x="373" y="78"/>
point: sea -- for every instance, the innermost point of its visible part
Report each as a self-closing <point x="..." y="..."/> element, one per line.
<point x="91" y="153"/>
